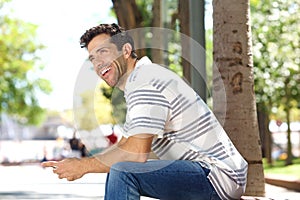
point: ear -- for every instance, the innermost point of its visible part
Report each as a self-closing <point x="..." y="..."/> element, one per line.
<point x="127" y="49"/>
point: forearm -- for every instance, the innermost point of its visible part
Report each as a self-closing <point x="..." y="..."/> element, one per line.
<point x="120" y="154"/>
<point x="95" y="165"/>
<point x="125" y="150"/>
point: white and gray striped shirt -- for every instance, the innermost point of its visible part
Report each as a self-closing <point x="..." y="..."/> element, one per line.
<point x="159" y="102"/>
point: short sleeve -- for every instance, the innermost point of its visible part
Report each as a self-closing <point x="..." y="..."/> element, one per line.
<point x="147" y="111"/>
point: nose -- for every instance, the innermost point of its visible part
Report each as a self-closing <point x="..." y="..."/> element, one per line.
<point x="97" y="64"/>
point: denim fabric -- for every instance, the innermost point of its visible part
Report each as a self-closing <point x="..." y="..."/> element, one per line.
<point x="160" y="179"/>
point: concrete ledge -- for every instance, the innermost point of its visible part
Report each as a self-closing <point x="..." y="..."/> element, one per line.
<point x="254" y="198"/>
<point x="286" y="182"/>
<point x="242" y="198"/>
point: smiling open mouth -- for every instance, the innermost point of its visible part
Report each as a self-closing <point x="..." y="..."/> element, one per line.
<point x="104" y="71"/>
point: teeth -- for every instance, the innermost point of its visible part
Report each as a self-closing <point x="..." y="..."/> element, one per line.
<point x="102" y="66"/>
<point x="104" y="71"/>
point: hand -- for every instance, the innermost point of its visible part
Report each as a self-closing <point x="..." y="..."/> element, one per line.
<point x="70" y="168"/>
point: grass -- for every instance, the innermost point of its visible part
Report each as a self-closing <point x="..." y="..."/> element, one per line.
<point x="279" y="168"/>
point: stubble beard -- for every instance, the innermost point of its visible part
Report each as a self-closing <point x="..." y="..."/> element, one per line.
<point x="121" y="70"/>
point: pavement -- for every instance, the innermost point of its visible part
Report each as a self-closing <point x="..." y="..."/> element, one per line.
<point x="25" y="182"/>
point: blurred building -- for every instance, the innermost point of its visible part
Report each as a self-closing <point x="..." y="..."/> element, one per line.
<point x="49" y="130"/>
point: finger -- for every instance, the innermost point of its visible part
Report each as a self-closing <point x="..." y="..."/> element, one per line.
<point x="49" y="164"/>
<point x="63" y="175"/>
<point x="71" y="178"/>
<point x="60" y="177"/>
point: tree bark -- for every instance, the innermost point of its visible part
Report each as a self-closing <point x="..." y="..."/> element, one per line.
<point x="289" y="159"/>
<point x="233" y="59"/>
<point x="266" y="137"/>
<point x="183" y="16"/>
<point x="157" y="54"/>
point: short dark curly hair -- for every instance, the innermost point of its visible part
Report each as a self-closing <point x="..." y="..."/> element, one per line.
<point x="118" y="36"/>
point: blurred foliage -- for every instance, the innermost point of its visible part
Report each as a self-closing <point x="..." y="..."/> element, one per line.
<point x="102" y="106"/>
<point x="117" y="101"/>
<point x="209" y="65"/>
<point x="278" y="167"/>
<point x="276" y="50"/>
<point x="145" y="7"/>
<point x="95" y="109"/>
<point x="19" y="84"/>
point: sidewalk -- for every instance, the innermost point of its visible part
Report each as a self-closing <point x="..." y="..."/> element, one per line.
<point x="280" y="193"/>
<point x="33" y="182"/>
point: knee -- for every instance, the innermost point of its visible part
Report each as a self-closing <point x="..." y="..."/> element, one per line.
<point x="120" y="172"/>
<point x="121" y="167"/>
<point x="116" y="173"/>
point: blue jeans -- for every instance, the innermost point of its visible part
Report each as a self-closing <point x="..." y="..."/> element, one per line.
<point x="160" y="179"/>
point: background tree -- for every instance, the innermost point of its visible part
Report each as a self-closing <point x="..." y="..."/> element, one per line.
<point x="19" y="86"/>
<point x="135" y="14"/>
<point x="183" y="16"/>
<point x="276" y="38"/>
<point x="233" y="58"/>
<point x="117" y="102"/>
<point x="95" y="108"/>
<point x="131" y="14"/>
<point x="142" y="14"/>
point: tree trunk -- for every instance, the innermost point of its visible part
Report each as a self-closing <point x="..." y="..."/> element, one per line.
<point x="266" y="137"/>
<point x="183" y="16"/>
<point x="233" y="59"/>
<point x="157" y="54"/>
<point x="289" y="159"/>
<point x="129" y="9"/>
<point x="129" y="17"/>
<point x="287" y="100"/>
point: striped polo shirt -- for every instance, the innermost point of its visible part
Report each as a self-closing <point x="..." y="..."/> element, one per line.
<point x="159" y="102"/>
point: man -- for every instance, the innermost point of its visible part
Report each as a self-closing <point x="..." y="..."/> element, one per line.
<point x="196" y="161"/>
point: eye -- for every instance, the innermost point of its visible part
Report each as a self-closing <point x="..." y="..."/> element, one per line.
<point x="91" y="59"/>
<point x="103" y="51"/>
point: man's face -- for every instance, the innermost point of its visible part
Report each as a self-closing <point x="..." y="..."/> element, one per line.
<point x="107" y="60"/>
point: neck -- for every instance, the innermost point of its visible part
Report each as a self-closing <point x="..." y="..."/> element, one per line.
<point x="130" y="67"/>
<point x="131" y="63"/>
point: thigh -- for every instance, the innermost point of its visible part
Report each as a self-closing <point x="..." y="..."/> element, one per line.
<point x="169" y="180"/>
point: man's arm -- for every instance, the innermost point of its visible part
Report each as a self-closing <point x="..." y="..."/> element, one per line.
<point x="134" y="149"/>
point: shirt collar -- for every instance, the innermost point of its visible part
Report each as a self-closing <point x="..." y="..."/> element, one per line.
<point x="143" y="61"/>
